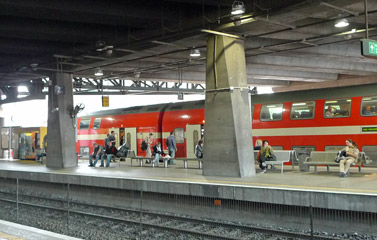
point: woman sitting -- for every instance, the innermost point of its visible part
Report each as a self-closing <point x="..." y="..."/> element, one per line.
<point x="266" y="153"/>
<point x="349" y="155"/>
<point x="157" y="152"/>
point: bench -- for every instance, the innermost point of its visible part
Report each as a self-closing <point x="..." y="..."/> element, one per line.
<point x="327" y="159"/>
<point x="185" y="161"/>
<point x="282" y="156"/>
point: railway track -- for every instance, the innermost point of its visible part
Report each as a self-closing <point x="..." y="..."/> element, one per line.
<point x="145" y="220"/>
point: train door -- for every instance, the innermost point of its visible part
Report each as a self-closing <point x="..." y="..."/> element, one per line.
<point x="193" y="135"/>
<point x="130" y="137"/>
<point x="116" y="130"/>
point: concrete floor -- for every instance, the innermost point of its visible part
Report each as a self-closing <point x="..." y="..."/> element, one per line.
<point x="13" y="231"/>
<point x="361" y="183"/>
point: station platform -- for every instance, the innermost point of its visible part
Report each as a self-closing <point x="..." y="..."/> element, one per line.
<point x="14" y="231"/>
<point x="284" y="199"/>
<point x="357" y="183"/>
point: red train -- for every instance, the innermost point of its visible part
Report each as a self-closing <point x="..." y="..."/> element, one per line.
<point x="314" y="120"/>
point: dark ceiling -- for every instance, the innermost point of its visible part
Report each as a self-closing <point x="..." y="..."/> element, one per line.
<point x="287" y="42"/>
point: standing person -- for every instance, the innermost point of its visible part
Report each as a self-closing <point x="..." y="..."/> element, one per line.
<point x="149" y="142"/>
<point x="106" y="140"/>
<point x="157" y="152"/>
<point x="110" y="151"/>
<point x="266" y="153"/>
<point x="199" y="149"/>
<point x="96" y="154"/>
<point x="112" y="138"/>
<point x="349" y="155"/>
<point x="172" y="147"/>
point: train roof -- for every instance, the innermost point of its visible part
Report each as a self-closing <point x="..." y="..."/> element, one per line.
<point x="149" y="108"/>
<point x="313" y="94"/>
<point x="305" y="95"/>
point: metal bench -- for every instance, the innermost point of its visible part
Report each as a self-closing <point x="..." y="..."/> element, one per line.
<point x="282" y="156"/>
<point x="185" y="161"/>
<point x="327" y="159"/>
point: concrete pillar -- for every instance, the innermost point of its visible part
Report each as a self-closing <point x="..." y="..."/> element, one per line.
<point x="61" y="149"/>
<point x="228" y="147"/>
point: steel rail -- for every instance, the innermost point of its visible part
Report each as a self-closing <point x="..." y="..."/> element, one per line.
<point x="168" y="217"/>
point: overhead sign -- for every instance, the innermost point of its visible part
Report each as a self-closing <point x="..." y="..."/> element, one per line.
<point x="105" y="101"/>
<point x="369" y="48"/>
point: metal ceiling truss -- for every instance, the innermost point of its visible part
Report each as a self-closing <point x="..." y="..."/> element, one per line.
<point x="88" y="86"/>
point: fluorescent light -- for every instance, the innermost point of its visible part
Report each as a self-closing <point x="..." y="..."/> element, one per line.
<point x="185" y="116"/>
<point x="353" y="30"/>
<point x="195" y="52"/>
<point x="271" y="106"/>
<point x="331" y="102"/>
<point x="110" y="118"/>
<point x="298" y="104"/>
<point x="98" y="72"/>
<point x="238" y="8"/>
<point x="342" y="23"/>
<point x="22" y="89"/>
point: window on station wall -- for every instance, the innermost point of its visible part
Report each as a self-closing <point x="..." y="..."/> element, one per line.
<point x="179" y="134"/>
<point x="271" y="112"/>
<point x="302" y="110"/>
<point x="96" y="123"/>
<point x="337" y="108"/>
<point x="84" y="123"/>
<point x="333" y="148"/>
<point x="369" y="106"/>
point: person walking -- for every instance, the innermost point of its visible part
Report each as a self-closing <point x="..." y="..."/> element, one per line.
<point x="199" y="149"/>
<point x="172" y="147"/>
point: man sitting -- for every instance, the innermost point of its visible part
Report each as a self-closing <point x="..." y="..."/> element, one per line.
<point x="96" y="154"/>
<point x="110" y="151"/>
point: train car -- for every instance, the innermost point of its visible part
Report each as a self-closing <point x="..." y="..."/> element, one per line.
<point x="307" y="120"/>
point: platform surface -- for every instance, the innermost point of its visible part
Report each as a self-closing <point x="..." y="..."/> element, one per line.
<point x="356" y="183"/>
<point x="13" y="231"/>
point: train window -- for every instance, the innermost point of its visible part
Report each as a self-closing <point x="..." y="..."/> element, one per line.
<point x="337" y="108"/>
<point x="302" y="110"/>
<point x="371" y="152"/>
<point x="271" y="112"/>
<point x="333" y="148"/>
<point x="369" y="106"/>
<point x="179" y="134"/>
<point x="84" y="123"/>
<point x="96" y="123"/>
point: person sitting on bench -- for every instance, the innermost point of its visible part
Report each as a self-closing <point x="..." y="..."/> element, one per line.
<point x="266" y="153"/>
<point x="157" y="152"/>
<point x="110" y="151"/>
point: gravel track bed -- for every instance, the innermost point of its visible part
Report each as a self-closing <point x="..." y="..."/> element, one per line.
<point x="91" y="227"/>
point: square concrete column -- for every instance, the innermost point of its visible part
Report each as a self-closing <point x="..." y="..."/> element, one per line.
<point x="228" y="147"/>
<point x="61" y="146"/>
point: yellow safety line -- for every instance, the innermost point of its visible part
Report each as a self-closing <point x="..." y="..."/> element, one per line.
<point x="9" y="237"/>
<point x="269" y="185"/>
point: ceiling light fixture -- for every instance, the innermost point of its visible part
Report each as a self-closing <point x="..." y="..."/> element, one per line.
<point x="238" y="8"/>
<point x="341" y="23"/>
<point x="194" y="52"/>
<point x="98" y="72"/>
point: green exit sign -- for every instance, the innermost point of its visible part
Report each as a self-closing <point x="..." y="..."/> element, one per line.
<point x="369" y="48"/>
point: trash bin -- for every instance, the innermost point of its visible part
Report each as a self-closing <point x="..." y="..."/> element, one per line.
<point x="302" y="154"/>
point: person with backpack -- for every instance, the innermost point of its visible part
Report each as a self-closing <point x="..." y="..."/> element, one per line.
<point x="199" y="149"/>
<point x="149" y="141"/>
<point x="172" y="147"/>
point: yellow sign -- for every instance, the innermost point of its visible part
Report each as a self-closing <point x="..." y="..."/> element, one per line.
<point x="105" y="101"/>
